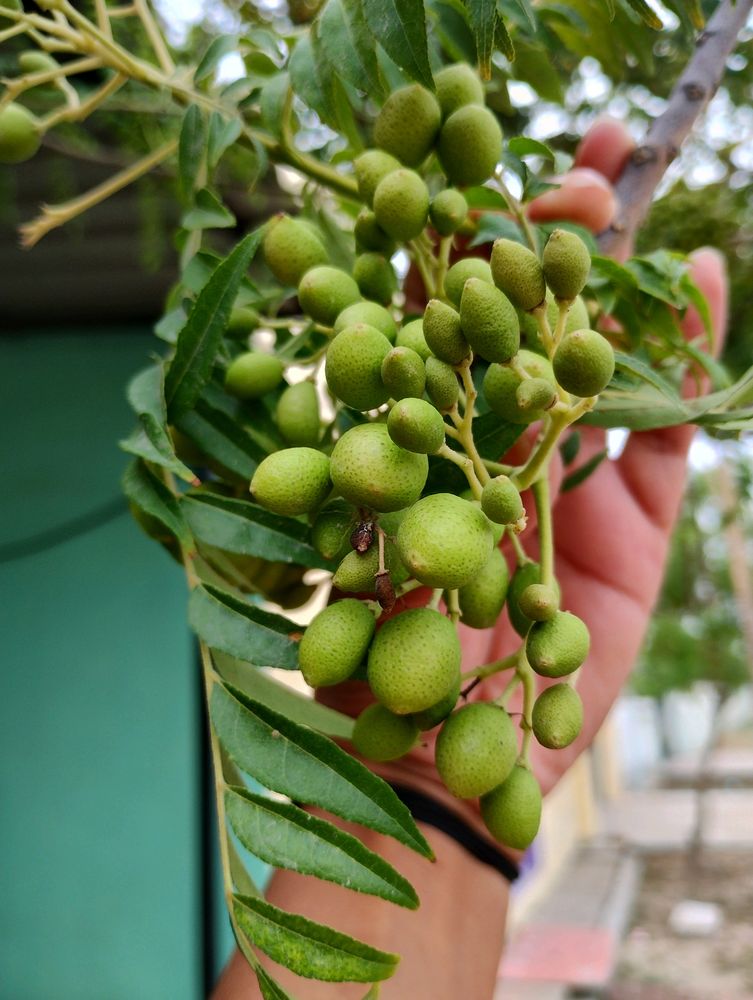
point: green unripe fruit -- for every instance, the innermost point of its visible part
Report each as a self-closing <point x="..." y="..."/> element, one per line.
<point x="325" y="291"/>
<point x="253" y="374"/>
<point x="443" y="333"/>
<point x="243" y="320"/>
<point x="371" y="167"/>
<point x="539" y="602"/>
<point x="567" y="264"/>
<point x="416" y="426"/>
<point x="19" y="135"/>
<point x="375" y="277"/>
<point x="353" y="366"/>
<point x="370" y="235"/>
<point x="444" y="540"/>
<point x="584" y="363"/>
<point x="534" y="395"/>
<point x="414" y="661"/>
<point x="557" y="716"/>
<point x="460" y="272"/>
<point x="412" y="335"/>
<point x="403" y="373"/>
<point x="501" y="502"/>
<point x="489" y="321"/>
<point x="401" y="204"/>
<point x="370" y="313"/>
<point x="441" y="384"/>
<point x="482" y="599"/>
<point x="330" y="533"/>
<point x="512" y="812"/>
<point x="293" y="481"/>
<point x="523" y="577"/>
<point x="369" y="469"/>
<point x="36" y="61"/>
<point x="379" y="734"/>
<point x="437" y="713"/>
<point x="290" y="249"/>
<point x="470" y="145"/>
<point x="518" y="273"/>
<point x="357" y="572"/>
<point x="298" y="415"/>
<point x="408" y="124"/>
<point x="557" y="647"/>
<point x="476" y="749"/>
<point x="448" y="211"/>
<point x="501" y="386"/>
<point x="458" y="85"/>
<point x="577" y="319"/>
<point x="335" y="643"/>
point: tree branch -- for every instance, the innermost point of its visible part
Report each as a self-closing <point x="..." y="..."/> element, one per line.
<point x="694" y="89"/>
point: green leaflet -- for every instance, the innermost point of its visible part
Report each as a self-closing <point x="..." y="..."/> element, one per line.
<point x="216" y="50"/>
<point x="200" y="338"/>
<point x="207" y="212"/>
<point x="482" y="15"/>
<point x="144" y="490"/>
<point x="191" y="150"/>
<point x="287" y="837"/>
<point x="634" y="366"/>
<point x="581" y="474"/>
<point x="270" y="990"/>
<point x="247" y="529"/>
<point x="400" y="28"/>
<point x="222" y="438"/>
<point x="349" y="44"/>
<point x="241" y="879"/>
<point x="310" y="78"/>
<point x="310" y="949"/>
<point x="493" y="436"/>
<point x="282" y="698"/>
<point x="308" y="767"/>
<point x="647" y="15"/>
<point x="242" y="630"/>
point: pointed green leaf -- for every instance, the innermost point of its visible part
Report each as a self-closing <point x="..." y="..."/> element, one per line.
<point x="243" y="630"/>
<point x="222" y="134"/>
<point x="640" y="409"/>
<point x="222" y="438"/>
<point x="310" y="949"/>
<point x="349" y="44"/>
<point x="241" y="879"/>
<point x="502" y="40"/>
<point x="272" y="101"/>
<point x="311" y="80"/>
<point x="482" y="15"/>
<point x="217" y="49"/>
<point x="523" y="146"/>
<point x="524" y="6"/>
<point x="288" y="837"/>
<point x="646" y="13"/>
<point x="635" y="366"/>
<point x="308" y="767"/>
<point x="144" y="490"/>
<point x="281" y="697"/>
<point x="493" y="436"/>
<point x="583" y="472"/>
<point x="146" y="395"/>
<point x="207" y="212"/>
<point x="191" y="149"/>
<point x="200" y="338"/>
<point x="247" y="529"/>
<point x="270" y="990"/>
<point x="400" y="28"/>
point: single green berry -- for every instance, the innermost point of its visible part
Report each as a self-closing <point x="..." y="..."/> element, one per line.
<point x="297" y="415"/>
<point x="380" y="735"/>
<point x="253" y="374"/>
<point x="243" y="320"/>
<point x="370" y="235"/>
<point x="444" y="540"/>
<point x="290" y="249"/>
<point x="408" y="123"/>
<point x="432" y="716"/>
<point x="19" y="134"/>
<point x="512" y="812"/>
<point x="460" y="272"/>
<point x="325" y="291"/>
<point x="375" y="277"/>
<point x="535" y="395"/>
<point x="557" y="716"/>
<point x="330" y="533"/>
<point x="370" y="313"/>
<point x="416" y="426"/>
<point x="518" y="273"/>
<point x="567" y="263"/>
<point x="401" y="204"/>
<point x="501" y="502"/>
<point x="482" y="599"/>
<point x="458" y="85"/>
<point x="470" y="145"/>
<point x="36" y="61"/>
<point x="523" y="577"/>
<point x="501" y="385"/>
<point x="414" y="661"/>
<point x="371" y="167"/>
<point x="443" y="333"/>
<point x="498" y="530"/>
<point x="403" y="373"/>
<point x="448" y="211"/>
<point x="539" y="602"/>
<point x="412" y="335"/>
<point x="353" y="366"/>
<point x="557" y="647"/>
<point x="584" y="363"/>
<point x="292" y="481"/>
<point x="335" y="643"/>
<point x="357" y="572"/>
<point x="489" y="321"/>
<point x="476" y="749"/>
<point x="577" y="319"/>
<point x="441" y="384"/>
<point x="371" y="471"/>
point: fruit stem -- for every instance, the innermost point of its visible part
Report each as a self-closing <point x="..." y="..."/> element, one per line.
<point x="443" y="263"/>
<point x="152" y="31"/>
<point x="407" y="587"/>
<point x="453" y="606"/>
<point x="466" y="465"/>
<point x="545" y="331"/>
<point x="525" y="672"/>
<point x="504" y="699"/>
<point x="497" y="468"/>
<point x="520" y="556"/>
<point x="425" y="263"/>
<point x="516" y="207"/>
<point x="494" y="667"/>
<point x="542" y="500"/>
<point x="564" y="306"/>
<point x="436" y="597"/>
<point x="465" y="428"/>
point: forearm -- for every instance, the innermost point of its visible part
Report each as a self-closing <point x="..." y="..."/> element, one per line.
<point x="449" y="948"/>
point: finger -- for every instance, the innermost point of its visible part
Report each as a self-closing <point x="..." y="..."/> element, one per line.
<point x="605" y="148"/>
<point x="584" y="196"/>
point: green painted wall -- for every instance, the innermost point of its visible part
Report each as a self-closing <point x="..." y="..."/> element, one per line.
<point x="98" y="734"/>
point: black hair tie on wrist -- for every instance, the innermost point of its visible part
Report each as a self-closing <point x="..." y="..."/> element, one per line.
<point x="429" y="810"/>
